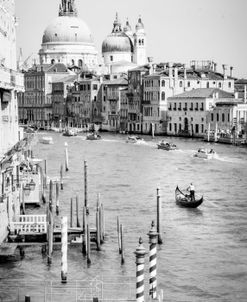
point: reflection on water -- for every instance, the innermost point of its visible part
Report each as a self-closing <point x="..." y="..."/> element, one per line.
<point x="203" y="257"/>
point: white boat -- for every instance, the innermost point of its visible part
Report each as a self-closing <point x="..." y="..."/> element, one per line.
<point x="69" y="132"/>
<point x="205" y="153"/>
<point x="134" y="139"/>
<point x="48" y="140"/>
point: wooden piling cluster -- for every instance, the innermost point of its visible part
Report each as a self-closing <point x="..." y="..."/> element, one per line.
<point x="120" y="240"/>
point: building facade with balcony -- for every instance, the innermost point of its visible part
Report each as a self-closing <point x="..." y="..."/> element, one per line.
<point x="188" y="112"/>
<point x="35" y="104"/>
<point x="11" y="82"/>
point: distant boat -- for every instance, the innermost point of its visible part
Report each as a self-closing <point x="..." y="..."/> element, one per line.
<point x="184" y="200"/>
<point x="166" y="146"/>
<point x="134" y="139"/>
<point x="205" y="153"/>
<point x="93" y="137"/>
<point x="48" y="140"/>
<point x="69" y="132"/>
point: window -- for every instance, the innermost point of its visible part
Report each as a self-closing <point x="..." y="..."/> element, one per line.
<point x="202" y="106"/>
<point x="163" y="83"/>
<point x="72" y="62"/>
<point x="217" y="117"/>
<point x="163" y="96"/>
<point x="228" y="117"/>
<point x="191" y="106"/>
<point x="219" y="85"/>
<point x="188" y="84"/>
<point x="95" y="86"/>
<point x="229" y="84"/>
<point x="202" y="128"/>
<point x="207" y="84"/>
<point x="80" y="63"/>
<point x="179" y="106"/>
<point x="197" y="128"/>
<point x="111" y="58"/>
<point x="52" y="61"/>
<point x="180" y="84"/>
<point x="223" y="117"/>
<point x="212" y="117"/>
<point x="170" y="127"/>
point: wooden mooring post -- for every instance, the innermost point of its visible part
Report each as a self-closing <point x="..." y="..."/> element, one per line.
<point x="71" y="212"/>
<point x="122" y="244"/>
<point x="57" y="198"/>
<point x="98" y="230"/>
<point x="66" y="157"/>
<point x="159" y="217"/>
<point x="119" y="236"/>
<point x="88" y="246"/>
<point x="50" y="224"/>
<point x="77" y="212"/>
<point x="64" y="239"/>
<point x="84" y="236"/>
<point x="45" y="174"/>
<point x="85" y="184"/>
<point x="61" y="177"/>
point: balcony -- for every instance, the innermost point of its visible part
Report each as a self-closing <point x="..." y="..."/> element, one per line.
<point x="10" y="79"/>
<point x="185" y="109"/>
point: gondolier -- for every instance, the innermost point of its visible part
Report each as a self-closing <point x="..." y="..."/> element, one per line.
<point x="184" y="200"/>
<point x="191" y="189"/>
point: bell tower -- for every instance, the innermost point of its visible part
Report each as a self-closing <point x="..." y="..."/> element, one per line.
<point x="140" y="55"/>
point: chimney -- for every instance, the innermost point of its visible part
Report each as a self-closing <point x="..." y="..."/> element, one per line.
<point x="185" y="72"/>
<point x="231" y="68"/>
<point x="170" y="65"/>
<point x="224" y="71"/>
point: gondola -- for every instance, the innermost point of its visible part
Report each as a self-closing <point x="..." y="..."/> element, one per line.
<point x="184" y="200"/>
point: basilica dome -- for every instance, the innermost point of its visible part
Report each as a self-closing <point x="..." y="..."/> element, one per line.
<point x="67" y="29"/>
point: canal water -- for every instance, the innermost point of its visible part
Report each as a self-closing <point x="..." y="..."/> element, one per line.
<point x="204" y="251"/>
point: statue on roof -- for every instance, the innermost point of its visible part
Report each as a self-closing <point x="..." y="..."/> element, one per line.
<point x="67" y="8"/>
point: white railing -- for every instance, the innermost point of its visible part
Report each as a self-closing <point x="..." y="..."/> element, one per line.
<point x="29" y="224"/>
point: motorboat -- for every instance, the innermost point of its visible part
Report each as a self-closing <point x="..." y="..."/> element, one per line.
<point x="184" y="200"/>
<point x="48" y="140"/>
<point x="134" y="139"/>
<point x="93" y="136"/>
<point x="69" y="132"/>
<point x="205" y="153"/>
<point x="166" y="146"/>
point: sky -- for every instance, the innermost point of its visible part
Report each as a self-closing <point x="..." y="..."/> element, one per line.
<point x="177" y="30"/>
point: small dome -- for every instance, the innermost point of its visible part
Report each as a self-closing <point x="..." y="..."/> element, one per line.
<point x="139" y="25"/>
<point x="127" y="27"/>
<point x="117" y="42"/>
<point x="67" y="29"/>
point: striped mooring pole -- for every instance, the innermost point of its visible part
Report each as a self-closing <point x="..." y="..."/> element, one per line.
<point x="140" y="263"/>
<point x="153" y="261"/>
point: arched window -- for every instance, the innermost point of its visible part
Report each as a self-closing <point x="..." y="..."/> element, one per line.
<point x="180" y="84"/>
<point x="217" y="117"/>
<point x="223" y="117"/>
<point x="53" y="61"/>
<point x="72" y="62"/>
<point x="80" y="63"/>
<point x="163" y="83"/>
<point x="163" y="96"/>
<point x="219" y="85"/>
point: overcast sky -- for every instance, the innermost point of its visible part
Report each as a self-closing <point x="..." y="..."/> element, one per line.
<point x="177" y="30"/>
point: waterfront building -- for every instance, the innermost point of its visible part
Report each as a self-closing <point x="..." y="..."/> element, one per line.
<point x="240" y="86"/>
<point x="135" y="97"/>
<point x="123" y="50"/>
<point x="188" y="112"/>
<point x="170" y="79"/>
<point x="227" y="122"/>
<point x="35" y="104"/>
<point x="68" y="40"/>
<point x="112" y="104"/>
<point x="59" y="100"/>
<point x="123" y="110"/>
<point x="11" y="82"/>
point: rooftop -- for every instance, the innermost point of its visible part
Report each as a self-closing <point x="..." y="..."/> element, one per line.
<point x="203" y="93"/>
